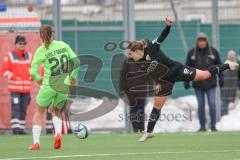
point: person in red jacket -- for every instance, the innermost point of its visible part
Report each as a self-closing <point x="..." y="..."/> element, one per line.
<point x="15" y="68"/>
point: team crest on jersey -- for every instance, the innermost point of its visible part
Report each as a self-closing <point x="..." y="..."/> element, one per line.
<point x="148" y="58"/>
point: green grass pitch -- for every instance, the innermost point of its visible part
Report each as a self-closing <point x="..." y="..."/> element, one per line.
<point x="167" y="146"/>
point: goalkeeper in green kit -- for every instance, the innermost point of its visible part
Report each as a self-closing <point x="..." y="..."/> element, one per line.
<point x="56" y="56"/>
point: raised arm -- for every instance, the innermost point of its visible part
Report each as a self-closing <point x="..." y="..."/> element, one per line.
<point x="164" y="33"/>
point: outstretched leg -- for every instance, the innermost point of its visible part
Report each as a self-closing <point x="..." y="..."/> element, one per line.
<point x="215" y="69"/>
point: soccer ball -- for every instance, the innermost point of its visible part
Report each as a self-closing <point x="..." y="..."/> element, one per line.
<point x="81" y="131"/>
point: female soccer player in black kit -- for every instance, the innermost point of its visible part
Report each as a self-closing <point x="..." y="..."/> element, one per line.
<point x="161" y="68"/>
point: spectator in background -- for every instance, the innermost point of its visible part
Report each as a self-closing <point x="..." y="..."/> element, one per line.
<point x="202" y="57"/>
<point x="229" y="89"/>
<point x="136" y="102"/>
<point x="15" y="68"/>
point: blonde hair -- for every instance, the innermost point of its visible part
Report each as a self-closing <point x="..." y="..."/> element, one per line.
<point x="137" y="45"/>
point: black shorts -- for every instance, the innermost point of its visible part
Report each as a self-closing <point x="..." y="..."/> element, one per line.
<point x="181" y="73"/>
<point x="185" y="73"/>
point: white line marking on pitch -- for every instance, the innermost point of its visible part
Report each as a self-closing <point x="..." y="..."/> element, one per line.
<point x="117" y="154"/>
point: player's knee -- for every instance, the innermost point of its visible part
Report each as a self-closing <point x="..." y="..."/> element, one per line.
<point x="202" y="75"/>
<point x="205" y="75"/>
<point x="55" y="112"/>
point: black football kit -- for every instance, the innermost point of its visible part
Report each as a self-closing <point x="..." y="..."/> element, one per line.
<point x="161" y="68"/>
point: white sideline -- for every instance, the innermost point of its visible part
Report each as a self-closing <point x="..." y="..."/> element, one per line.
<point x="118" y="154"/>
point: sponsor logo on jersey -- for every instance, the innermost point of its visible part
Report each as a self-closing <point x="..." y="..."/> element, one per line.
<point x="148" y="58"/>
<point x="152" y="66"/>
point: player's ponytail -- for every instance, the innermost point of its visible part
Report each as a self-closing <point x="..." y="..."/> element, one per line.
<point x="136" y="45"/>
<point x="46" y="35"/>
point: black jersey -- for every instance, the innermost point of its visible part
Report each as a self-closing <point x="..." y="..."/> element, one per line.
<point x="157" y="64"/>
<point x="160" y="68"/>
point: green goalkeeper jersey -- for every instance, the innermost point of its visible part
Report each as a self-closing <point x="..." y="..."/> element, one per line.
<point x="56" y="60"/>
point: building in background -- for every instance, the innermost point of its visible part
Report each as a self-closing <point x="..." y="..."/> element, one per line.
<point x="149" y="10"/>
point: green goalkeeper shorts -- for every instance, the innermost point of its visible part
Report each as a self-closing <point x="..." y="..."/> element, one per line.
<point x="47" y="96"/>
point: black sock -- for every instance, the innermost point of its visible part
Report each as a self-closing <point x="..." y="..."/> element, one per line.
<point x="216" y="69"/>
<point x="154" y="116"/>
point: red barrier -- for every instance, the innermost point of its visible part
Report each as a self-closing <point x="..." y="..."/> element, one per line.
<point x="6" y="45"/>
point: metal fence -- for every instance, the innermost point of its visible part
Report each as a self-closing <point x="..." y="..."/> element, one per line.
<point x="89" y="25"/>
